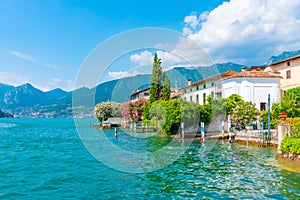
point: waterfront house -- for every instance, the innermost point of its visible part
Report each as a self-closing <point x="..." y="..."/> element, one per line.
<point x="138" y="93"/>
<point x="200" y="90"/>
<point x="290" y="72"/>
<point x="253" y="86"/>
<point x="145" y="94"/>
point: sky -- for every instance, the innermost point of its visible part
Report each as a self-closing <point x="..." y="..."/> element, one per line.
<point x="47" y="42"/>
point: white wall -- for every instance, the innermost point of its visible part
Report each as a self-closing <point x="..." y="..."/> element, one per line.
<point x="192" y="94"/>
<point x="255" y="90"/>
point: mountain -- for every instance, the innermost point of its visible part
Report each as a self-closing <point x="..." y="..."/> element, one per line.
<point x="5" y="115"/>
<point x="3" y="89"/>
<point x="24" y="95"/>
<point x="28" y="101"/>
<point x="57" y="93"/>
<point x="283" y="56"/>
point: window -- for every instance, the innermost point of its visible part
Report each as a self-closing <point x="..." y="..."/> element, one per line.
<point x="212" y="94"/>
<point x="146" y="94"/>
<point x="191" y="98"/>
<point x="262" y="106"/>
<point x="191" y="90"/>
<point x="204" y="86"/>
<point x="197" y="98"/>
<point x="212" y="84"/>
<point x="204" y="98"/>
<point x="288" y="63"/>
<point x="288" y="74"/>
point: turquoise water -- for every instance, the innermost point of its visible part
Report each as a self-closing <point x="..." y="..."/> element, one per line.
<point x="45" y="159"/>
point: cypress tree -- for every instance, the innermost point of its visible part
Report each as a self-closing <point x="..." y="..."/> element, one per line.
<point x="155" y="84"/>
<point x="166" y="91"/>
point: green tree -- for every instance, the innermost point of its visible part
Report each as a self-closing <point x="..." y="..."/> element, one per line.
<point x="169" y="114"/>
<point x="233" y="101"/>
<point x="289" y="104"/>
<point x="155" y="84"/>
<point x="105" y="110"/>
<point x="166" y="91"/>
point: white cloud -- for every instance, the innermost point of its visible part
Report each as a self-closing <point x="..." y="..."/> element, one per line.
<point x="16" y="79"/>
<point x="185" y="53"/>
<point x="51" y="66"/>
<point x="247" y="30"/>
<point x="31" y="59"/>
<point x="167" y="58"/>
<point x="192" y="20"/>
<point x="13" y="79"/>
<point x="23" y="56"/>
<point x="121" y="74"/>
<point x="55" y="83"/>
<point x="144" y="58"/>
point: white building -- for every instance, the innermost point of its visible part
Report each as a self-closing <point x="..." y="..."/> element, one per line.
<point x="253" y="86"/>
<point x="200" y="90"/>
<point x="138" y="93"/>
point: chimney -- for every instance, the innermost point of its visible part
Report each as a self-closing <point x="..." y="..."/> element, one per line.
<point x="244" y="68"/>
<point x="189" y="82"/>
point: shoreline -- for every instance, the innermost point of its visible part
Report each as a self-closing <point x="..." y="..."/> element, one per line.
<point x="289" y="162"/>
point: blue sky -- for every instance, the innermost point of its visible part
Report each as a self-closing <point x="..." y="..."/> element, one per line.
<point x="45" y="42"/>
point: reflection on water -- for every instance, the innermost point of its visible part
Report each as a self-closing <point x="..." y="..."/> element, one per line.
<point x="7" y="125"/>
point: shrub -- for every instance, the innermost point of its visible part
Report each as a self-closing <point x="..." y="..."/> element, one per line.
<point x="289" y="104"/>
<point x="295" y="132"/>
<point x="171" y="113"/>
<point x="290" y="145"/>
<point x="292" y="121"/>
<point x="274" y="121"/>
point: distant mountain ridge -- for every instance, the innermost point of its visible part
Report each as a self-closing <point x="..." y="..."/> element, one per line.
<point x="283" y="56"/>
<point x="28" y="101"/>
<point x="5" y="115"/>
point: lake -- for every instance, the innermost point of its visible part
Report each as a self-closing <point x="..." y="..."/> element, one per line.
<point x="54" y="159"/>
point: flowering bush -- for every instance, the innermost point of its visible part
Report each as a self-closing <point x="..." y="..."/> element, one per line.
<point x="124" y="109"/>
<point x="243" y="113"/>
<point x="136" y="109"/>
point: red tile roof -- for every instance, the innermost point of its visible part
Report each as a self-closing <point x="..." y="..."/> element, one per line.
<point x="218" y="76"/>
<point x="254" y="74"/>
<point x="262" y="68"/>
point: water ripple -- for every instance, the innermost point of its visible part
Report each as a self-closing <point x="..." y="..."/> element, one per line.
<point x="44" y="158"/>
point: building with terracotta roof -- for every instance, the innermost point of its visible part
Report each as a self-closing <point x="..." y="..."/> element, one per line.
<point x="290" y="72"/>
<point x="145" y="94"/>
<point x="138" y="93"/>
<point x="253" y="86"/>
<point x="200" y="90"/>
